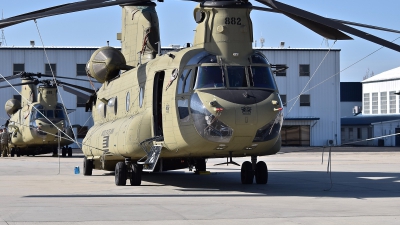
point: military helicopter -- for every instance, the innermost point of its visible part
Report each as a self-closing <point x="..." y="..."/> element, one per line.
<point x="215" y="99"/>
<point x="38" y="124"/>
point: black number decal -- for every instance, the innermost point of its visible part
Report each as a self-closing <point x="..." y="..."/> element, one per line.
<point x="233" y="20"/>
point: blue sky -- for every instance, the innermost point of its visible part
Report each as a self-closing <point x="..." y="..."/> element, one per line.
<point x="96" y="27"/>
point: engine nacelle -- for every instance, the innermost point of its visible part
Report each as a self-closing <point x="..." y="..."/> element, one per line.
<point x="105" y="64"/>
<point x="12" y="106"/>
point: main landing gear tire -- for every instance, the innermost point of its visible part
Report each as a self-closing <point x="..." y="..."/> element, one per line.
<point x="247" y="173"/>
<point x="87" y="167"/>
<point x="261" y="173"/>
<point x="120" y="174"/>
<point x="18" y="152"/>
<point x="63" y="152"/>
<point x="12" y="152"/>
<point x="200" y="165"/>
<point x="69" y="151"/>
<point x="136" y="175"/>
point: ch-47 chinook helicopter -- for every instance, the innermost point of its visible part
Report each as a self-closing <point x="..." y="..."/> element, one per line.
<point x="38" y="124"/>
<point x="215" y="99"/>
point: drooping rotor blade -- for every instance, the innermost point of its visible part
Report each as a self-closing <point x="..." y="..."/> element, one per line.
<point x="71" y="78"/>
<point x="75" y="92"/>
<point x="88" y="90"/>
<point x="318" y="24"/>
<point x="339" y="21"/>
<point x="20" y="84"/>
<point x="9" y="78"/>
<point x="63" y="9"/>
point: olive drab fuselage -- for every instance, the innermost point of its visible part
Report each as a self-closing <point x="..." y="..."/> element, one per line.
<point x="211" y="100"/>
<point x="34" y="125"/>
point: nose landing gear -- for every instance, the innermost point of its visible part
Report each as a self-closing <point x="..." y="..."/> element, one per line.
<point x="253" y="169"/>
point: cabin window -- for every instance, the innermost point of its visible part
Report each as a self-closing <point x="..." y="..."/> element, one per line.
<point x="210" y="77"/>
<point x="128" y="101"/>
<point x="237" y="76"/>
<point x="102" y="109"/>
<point x="141" y="95"/>
<point x="261" y="76"/>
<point x="112" y="104"/>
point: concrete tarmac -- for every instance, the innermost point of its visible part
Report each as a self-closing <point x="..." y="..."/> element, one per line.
<point x="365" y="190"/>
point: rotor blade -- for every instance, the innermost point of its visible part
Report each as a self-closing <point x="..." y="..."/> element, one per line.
<point x="318" y="24"/>
<point x="75" y="92"/>
<point x="339" y="21"/>
<point x="9" y="78"/>
<point x="20" y="84"/>
<point x="71" y="78"/>
<point x="63" y="9"/>
<point x="77" y="87"/>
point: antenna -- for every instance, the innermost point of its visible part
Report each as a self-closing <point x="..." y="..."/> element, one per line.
<point x="2" y="38"/>
<point x="262" y="40"/>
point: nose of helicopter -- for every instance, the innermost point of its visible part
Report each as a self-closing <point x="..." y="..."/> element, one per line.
<point x="226" y="115"/>
<point x="51" y="126"/>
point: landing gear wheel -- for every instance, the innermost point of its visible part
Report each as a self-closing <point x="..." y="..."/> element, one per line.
<point x="18" y="152"/>
<point x="247" y="173"/>
<point x="12" y="152"/>
<point x="63" y="152"/>
<point x="69" y="152"/>
<point x="136" y="175"/>
<point x="55" y="152"/>
<point x="87" y="166"/>
<point x="200" y="165"/>
<point x="120" y="174"/>
<point x="261" y="173"/>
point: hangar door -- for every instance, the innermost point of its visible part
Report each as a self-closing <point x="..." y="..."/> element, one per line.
<point x="295" y="135"/>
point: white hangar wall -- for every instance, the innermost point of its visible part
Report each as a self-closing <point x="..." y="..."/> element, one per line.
<point x="322" y="85"/>
<point x="313" y="124"/>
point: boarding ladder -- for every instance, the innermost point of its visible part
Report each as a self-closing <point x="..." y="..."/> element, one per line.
<point x="152" y="147"/>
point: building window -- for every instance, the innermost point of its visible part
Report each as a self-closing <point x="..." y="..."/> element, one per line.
<point x="383" y="102"/>
<point x="47" y="69"/>
<point x="375" y="103"/>
<point x="392" y="102"/>
<point x="304" y="70"/>
<point x="304" y="100"/>
<point x="18" y="68"/>
<point x="81" y="69"/>
<point x="367" y="106"/>
<point x="82" y="131"/>
<point x="359" y="133"/>
<point x="351" y="137"/>
<point x="281" y="73"/>
<point x="80" y="102"/>
<point x="283" y="98"/>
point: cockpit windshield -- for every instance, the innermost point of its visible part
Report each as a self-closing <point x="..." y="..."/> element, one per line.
<point x="210" y="77"/>
<point x="237" y="76"/>
<point x="40" y="112"/>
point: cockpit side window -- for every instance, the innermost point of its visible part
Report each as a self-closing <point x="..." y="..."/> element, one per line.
<point x="182" y="80"/>
<point x="210" y="77"/>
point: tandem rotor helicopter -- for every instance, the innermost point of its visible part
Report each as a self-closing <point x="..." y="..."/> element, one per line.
<point x="216" y="99"/>
<point x="38" y="123"/>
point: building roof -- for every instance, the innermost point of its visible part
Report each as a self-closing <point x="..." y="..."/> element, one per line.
<point x="368" y="120"/>
<point x="393" y="74"/>
<point x="350" y="92"/>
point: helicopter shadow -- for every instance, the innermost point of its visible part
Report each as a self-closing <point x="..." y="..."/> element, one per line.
<point x="284" y="183"/>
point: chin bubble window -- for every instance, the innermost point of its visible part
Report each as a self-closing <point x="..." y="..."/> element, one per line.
<point x="207" y="124"/>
